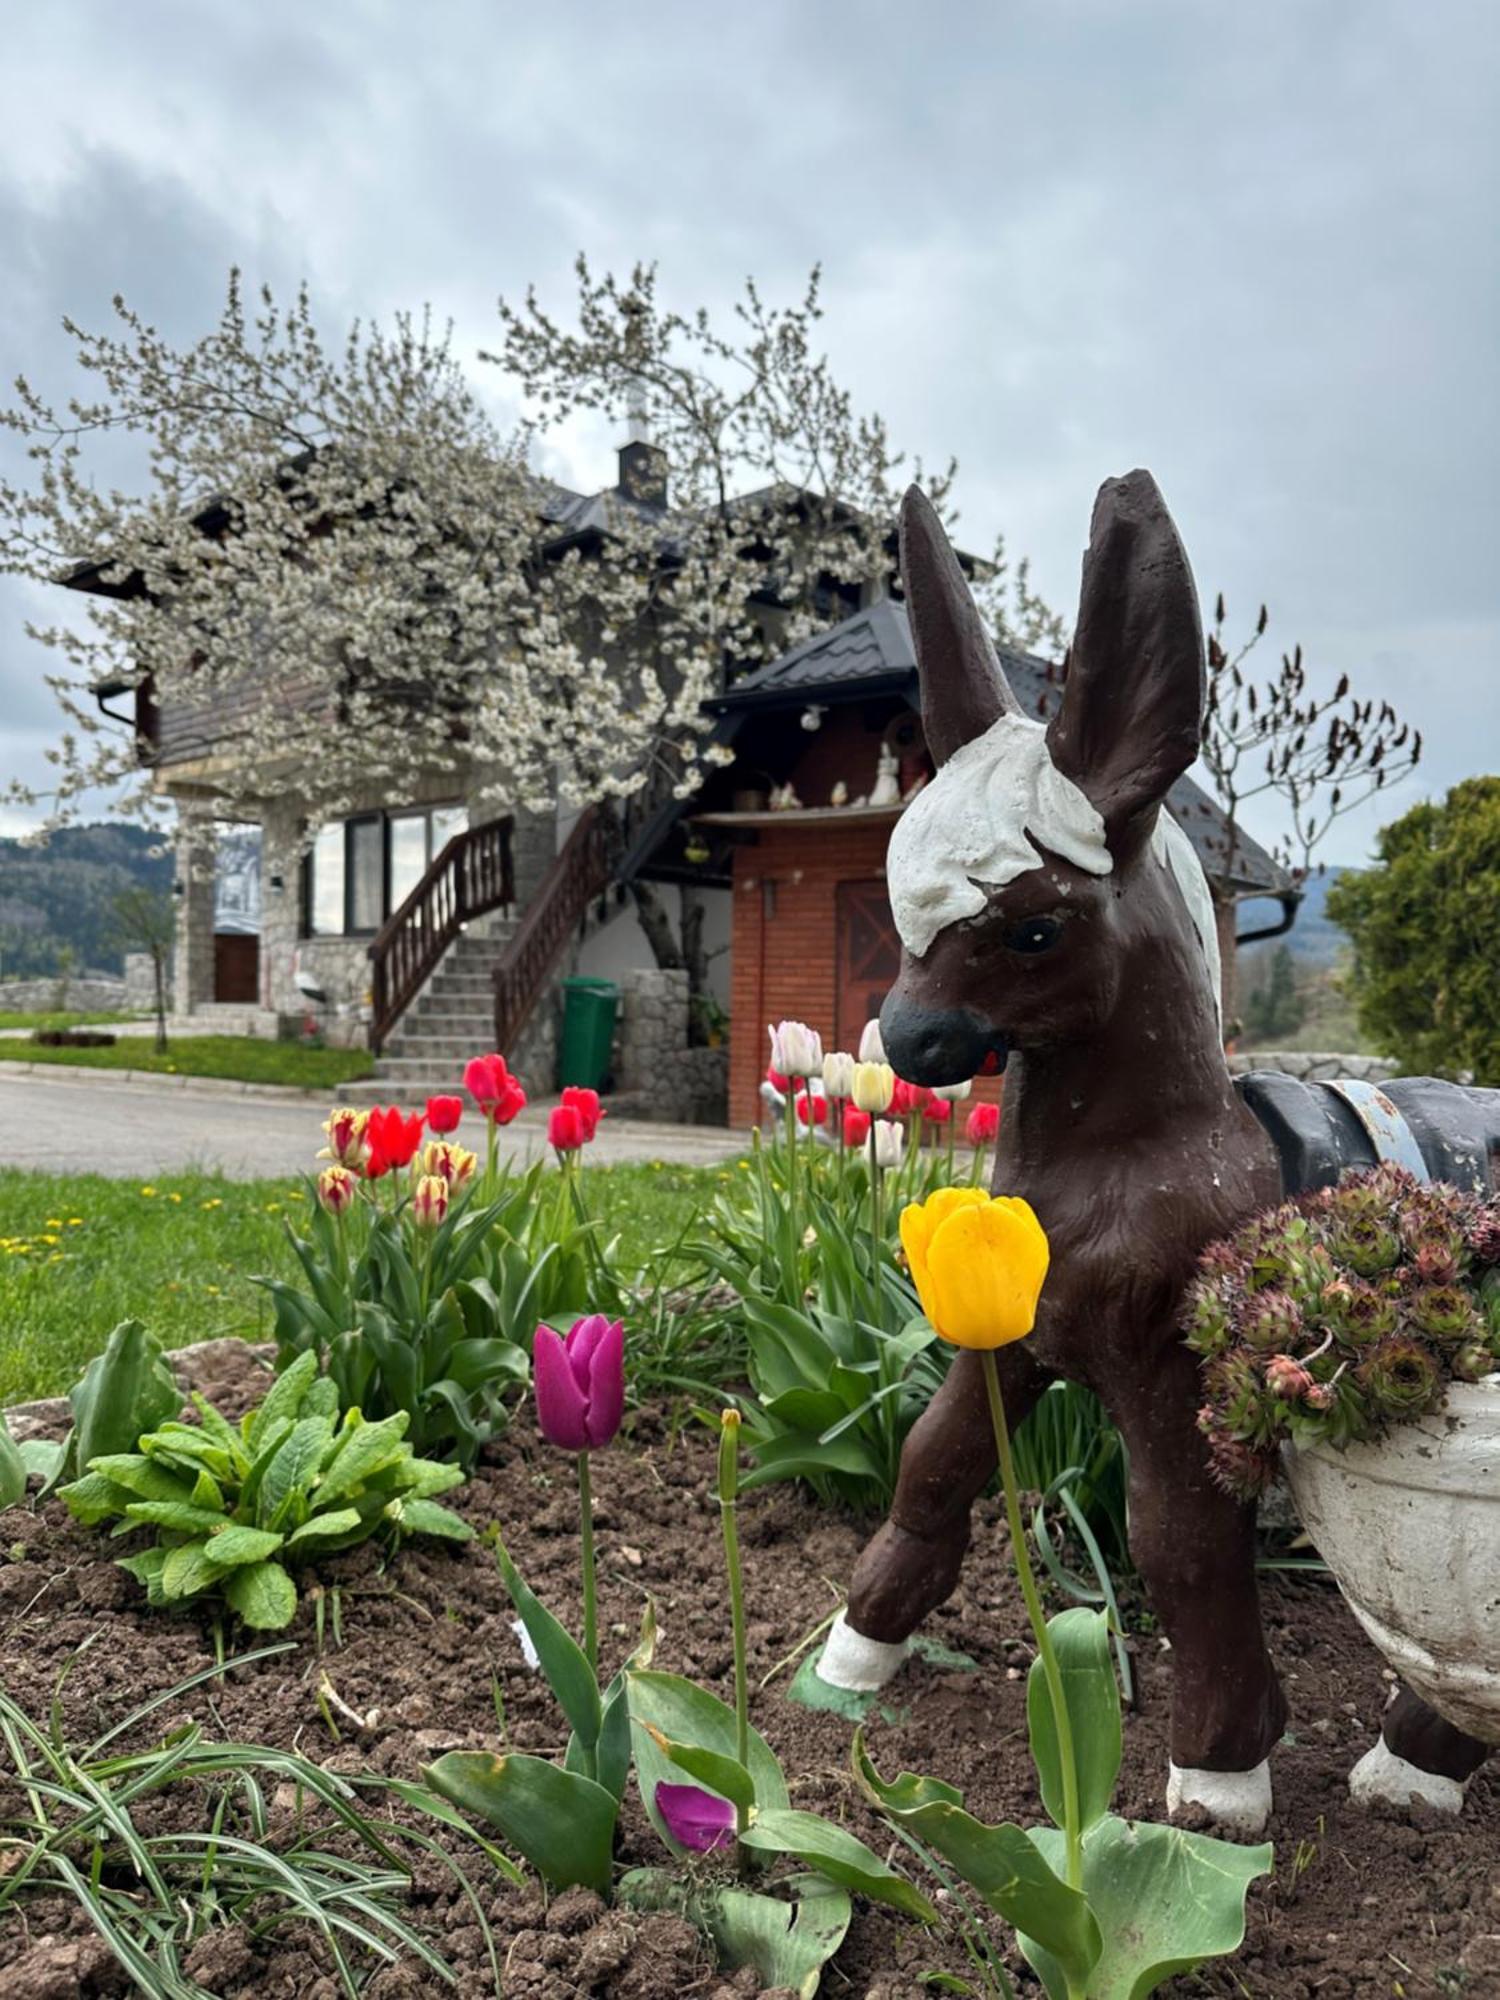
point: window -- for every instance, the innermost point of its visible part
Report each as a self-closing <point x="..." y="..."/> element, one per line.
<point x="359" y="870"/>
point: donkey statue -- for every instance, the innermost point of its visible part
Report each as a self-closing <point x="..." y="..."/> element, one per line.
<point x="1052" y="914"/>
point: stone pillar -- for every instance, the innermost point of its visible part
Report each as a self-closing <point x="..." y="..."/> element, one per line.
<point x="653" y="1029"/>
<point x="193" y="892"/>
<point x="280" y="909"/>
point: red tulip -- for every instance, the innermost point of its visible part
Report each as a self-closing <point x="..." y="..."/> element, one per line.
<point x="778" y="1082"/>
<point x="580" y="1383"/>
<point x="586" y="1104"/>
<point x="937" y="1110"/>
<point x="695" y="1819"/>
<point x="497" y="1093"/>
<point x="818" y="1113"/>
<point x="856" y="1126"/>
<point x="443" y="1113"/>
<point x="908" y="1098"/>
<point x="983" y="1124"/>
<point x="566" y="1131"/>
<point x="392" y="1139"/>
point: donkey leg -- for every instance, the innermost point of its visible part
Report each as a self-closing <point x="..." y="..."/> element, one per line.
<point x="1195" y="1547"/>
<point x="1417" y="1756"/>
<point x="912" y="1564"/>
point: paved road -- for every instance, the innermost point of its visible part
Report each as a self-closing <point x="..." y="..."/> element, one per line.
<point x="82" y="1122"/>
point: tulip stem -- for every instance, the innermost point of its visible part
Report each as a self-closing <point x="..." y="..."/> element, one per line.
<point x="590" y="1592"/>
<point x="877" y="1227"/>
<point x="791" y="1166"/>
<point x="729" y="1488"/>
<point x="1072" y="1832"/>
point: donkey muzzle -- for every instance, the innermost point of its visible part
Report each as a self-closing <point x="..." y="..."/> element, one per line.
<point x="939" y="1045"/>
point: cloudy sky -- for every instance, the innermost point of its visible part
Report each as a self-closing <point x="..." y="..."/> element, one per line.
<point x="1253" y="249"/>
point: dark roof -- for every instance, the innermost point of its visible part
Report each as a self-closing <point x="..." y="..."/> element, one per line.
<point x="872" y="653"/>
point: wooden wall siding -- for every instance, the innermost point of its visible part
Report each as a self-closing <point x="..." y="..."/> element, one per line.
<point x="186" y="731"/>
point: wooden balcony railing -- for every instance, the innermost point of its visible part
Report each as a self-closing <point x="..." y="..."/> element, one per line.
<point x="474" y="873"/>
<point x="582" y="871"/>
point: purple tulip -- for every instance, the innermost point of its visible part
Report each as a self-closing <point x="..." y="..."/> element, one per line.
<point x="696" y="1819"/>
<point x="580" y="1383"/>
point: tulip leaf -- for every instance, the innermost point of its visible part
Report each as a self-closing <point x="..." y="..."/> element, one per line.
<point x="263" y="1595"/>
<point x="568" y="1672"/>
<point x="125" y="1391"/>
<point x="1165" y="1900"/>
<point x="612" y="1752"/>
<point x="688" y="1714"/>
<point x="561" y="1821"/>
<point x="724" y="1775"/>
<point x="12" y="1468"/>
<point x="836" y="1853"/>
<point x="794" y="1456"/>
<point x="1007" y="1866"/>
<point x="1080" y="1639"/>
<point x="787" y="1937"/>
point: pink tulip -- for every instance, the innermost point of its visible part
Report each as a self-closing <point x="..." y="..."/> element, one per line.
<point x="983" y="1123"/>
<point x="443" y="1113"/>
<point x="497" y="1093"/>
<point x="695" y="1819"/>
<point x="567" y="1130"/>
<point x="586" y="1104"/>
<point x="580" y="1383"/>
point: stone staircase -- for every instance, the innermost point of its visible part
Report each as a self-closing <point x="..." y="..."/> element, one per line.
<point x="453" y="1019"/>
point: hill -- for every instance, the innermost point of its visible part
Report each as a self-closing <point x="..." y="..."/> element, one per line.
<point x="59" y="899"/>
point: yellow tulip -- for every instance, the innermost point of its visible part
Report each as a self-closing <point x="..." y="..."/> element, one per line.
<point x="978" y="1262"/>
<point x="872" y="1087"/>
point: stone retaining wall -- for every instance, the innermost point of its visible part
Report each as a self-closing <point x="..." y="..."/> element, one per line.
<point x="1315" y="1065"/>
<point x="35" y="996"/>
<point x="656" y="1072"/>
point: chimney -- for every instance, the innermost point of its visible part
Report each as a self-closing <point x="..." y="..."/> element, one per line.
<point x="643" y="465"/>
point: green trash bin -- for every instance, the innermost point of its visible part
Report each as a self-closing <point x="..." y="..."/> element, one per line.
<point x="588" y="1032"/>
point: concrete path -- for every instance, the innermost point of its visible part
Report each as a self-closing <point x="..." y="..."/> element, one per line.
<point x="91" y="1121"/>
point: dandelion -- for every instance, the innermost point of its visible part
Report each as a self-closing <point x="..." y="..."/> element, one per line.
<point x="148" y="1192"/>
<point x="75" y="1222"/>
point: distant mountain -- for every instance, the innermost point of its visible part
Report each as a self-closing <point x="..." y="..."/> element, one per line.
<point x="61" y="897"/>
<point x="1312" y="940"/>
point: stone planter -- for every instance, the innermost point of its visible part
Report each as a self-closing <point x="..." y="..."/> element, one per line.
<point x="1410" y="1528"/>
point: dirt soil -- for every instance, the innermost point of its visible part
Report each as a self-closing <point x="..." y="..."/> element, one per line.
<point x="1361" y="1904"/>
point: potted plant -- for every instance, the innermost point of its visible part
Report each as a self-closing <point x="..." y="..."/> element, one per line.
<point x="1350" y="1339"/>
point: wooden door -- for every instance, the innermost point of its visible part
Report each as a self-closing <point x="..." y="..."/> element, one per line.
<point x="869" y="957"/>
<point x="237" y="968"/>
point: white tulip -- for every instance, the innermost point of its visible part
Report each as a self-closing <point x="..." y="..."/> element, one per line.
<point x="890" y="1139"/>
<point x="871" y="1047"/>
<point x="838" y="1074"/>
<point x="796" y="1049"/>
<point x="953" y="1093"/>
<point x="873" y="1086"/>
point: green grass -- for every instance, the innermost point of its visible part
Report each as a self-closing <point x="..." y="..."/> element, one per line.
<point x="243" y="1058"/>
<point x="79" y="1253"/>
<point x="67" y="1019"/>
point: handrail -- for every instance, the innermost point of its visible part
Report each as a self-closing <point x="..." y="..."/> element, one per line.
<point x="582" y="871"/>
<point x="474" y="873"/>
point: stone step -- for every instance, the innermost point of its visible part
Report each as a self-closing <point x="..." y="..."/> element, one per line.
<point x="451" y="1049"/>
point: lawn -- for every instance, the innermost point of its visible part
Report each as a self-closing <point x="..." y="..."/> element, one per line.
<point x="78" y="1253"/>
<point x="241" y="1058"/>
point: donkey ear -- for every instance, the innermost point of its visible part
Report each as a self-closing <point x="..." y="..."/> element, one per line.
<point x="1132" y="705"/>
<point x="964" y="690"/>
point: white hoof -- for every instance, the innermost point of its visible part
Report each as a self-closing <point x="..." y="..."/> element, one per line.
<point x="1237" y="1800"/>
<point x="857" y="1664"/>
<point x="1380" y="1775"/>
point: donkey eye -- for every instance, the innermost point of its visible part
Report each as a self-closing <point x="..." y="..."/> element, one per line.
<point x="1036" y="934"/>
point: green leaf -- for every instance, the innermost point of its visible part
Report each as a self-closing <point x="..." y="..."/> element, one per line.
<point x="292" y="1469"/>
<point x="235" y="1545"/>
<point x="797" y="1457"/>
<point x="12" y="1468"/>
<point x="141" y="1477"/>
<point x="94" y="1498"/>
<point x="263" y="1594"/>
<point x="562" y="1822"/>
<point x="185" y="1572"/>
<point x="42" y="1457"/>
<point x="836" y="1853"/>
<point x="688" y="1714"/>
<point x="362" y="1451"/>
<point x="176" y="1514"/>
<point x="324" y="1528"/>
<point x="283" y="1400"/>
<point x="125" y="1391"/>
<point x="146" y="1568"/>
<point x="724" y="1775"/>
<point x="322" y="1400"/>
<point x="1005" y="1864"/>
<point x="568" y="1672"/>
<point x="787" y="1938"/>
<point x="426" y="1517"/>
<point x="424" y="1478"/>
<point x="1080" y="1639"/>
<point x="1165" y="1900"/>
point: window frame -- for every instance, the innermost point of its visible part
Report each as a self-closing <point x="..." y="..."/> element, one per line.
<point x="384" y="817"/>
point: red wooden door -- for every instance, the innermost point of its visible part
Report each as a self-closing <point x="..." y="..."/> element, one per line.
<point x="869" y="957"/>
<point x="237" y="968"/>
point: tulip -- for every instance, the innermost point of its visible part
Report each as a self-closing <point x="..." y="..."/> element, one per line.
<point x="698" y="1820"/>
<point x="430" y="1202"/>
<point x="908" y="1100"/>
<point x="873" y="1086"/>
<point x="812" y="1110"/>
<point x="937" y="1110"/>
<point x="888" y="1142"/>
<point x="336" y="1190"/>
<point x="871" y="1047"/>
<point x="856" y="1126"/>
<point x="586" y="1104"/>
<point x="497" y="1093"/>
<point x="983" y="1123"/>
<point x="346" y="1136"/>
<point x="567" y="1130"/>
<point x="978" y="1262"/>
<point x="779" y="1083"/>
<point x="953" y="1093"/>
<point x="454" y="1164"/>
<point x="796" y="1049"/>
<point x="838" y="1074"/>
<point x="392" y="1138"/>
<point x="580" y="1399"/>
<point x="443" y="1113"/>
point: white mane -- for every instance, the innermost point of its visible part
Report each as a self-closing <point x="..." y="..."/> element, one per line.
<point x="981" y="823"/>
